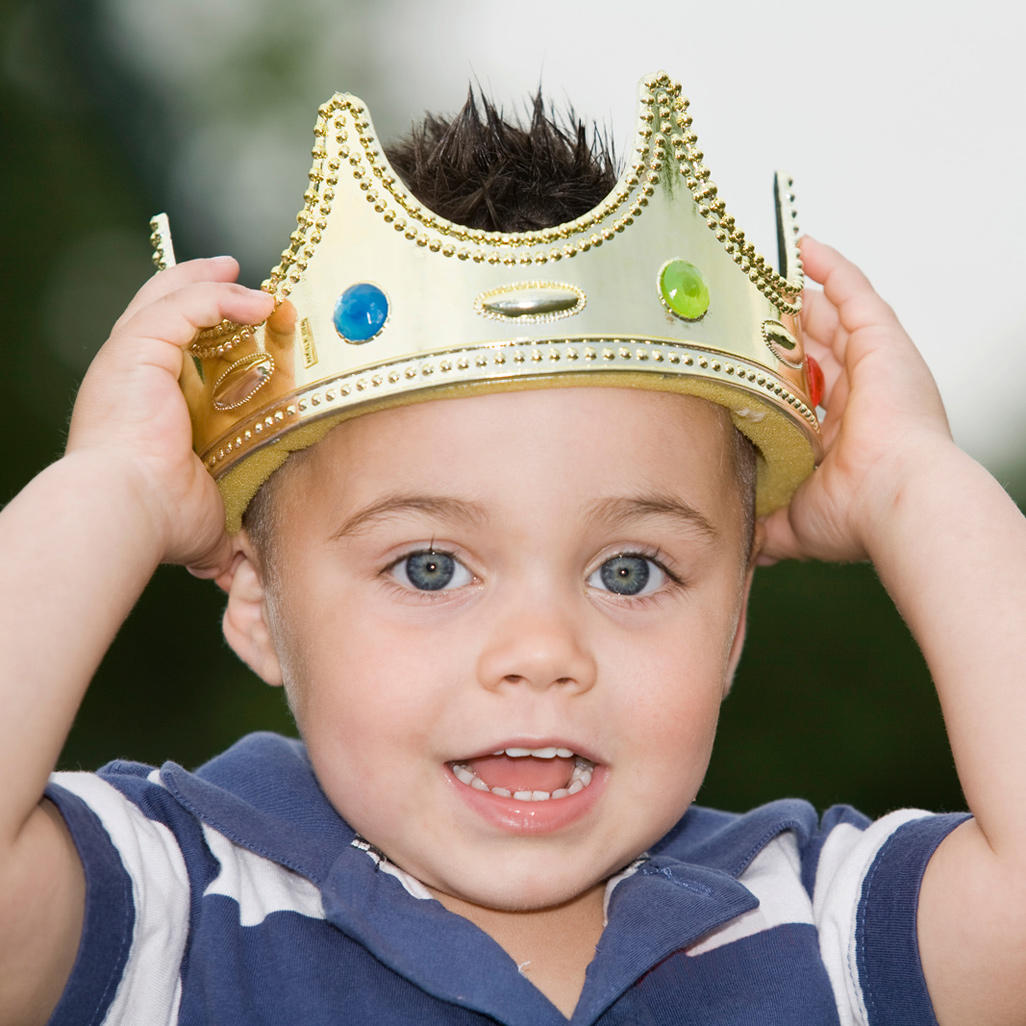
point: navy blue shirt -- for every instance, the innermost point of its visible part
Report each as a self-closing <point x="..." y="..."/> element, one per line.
<point x="238" y="895"/>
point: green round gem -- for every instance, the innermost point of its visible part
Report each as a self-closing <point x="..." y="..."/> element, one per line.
<point x="684" y="290"/>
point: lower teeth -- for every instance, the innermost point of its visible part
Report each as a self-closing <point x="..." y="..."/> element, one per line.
<point x="580" y="778"/>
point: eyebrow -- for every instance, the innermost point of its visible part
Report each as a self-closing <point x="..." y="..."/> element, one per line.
<point x="439" y="506"/>
<point x="620" y="511"/>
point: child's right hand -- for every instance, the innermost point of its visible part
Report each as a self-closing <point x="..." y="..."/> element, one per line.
<point x="131" y="414"/>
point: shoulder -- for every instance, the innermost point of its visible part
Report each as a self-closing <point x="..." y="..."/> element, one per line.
<point x="850" y="882"/>
<point x="159" y="821"/>
<point x="153" y="859"/>
<point x="730" y="841"/>
<point x="819" y="844"/>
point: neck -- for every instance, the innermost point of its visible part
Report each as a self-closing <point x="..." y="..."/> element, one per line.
<point x="551" y="946"/>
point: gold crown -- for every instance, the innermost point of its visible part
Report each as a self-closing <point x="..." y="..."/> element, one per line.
<point x="654" y="288"/>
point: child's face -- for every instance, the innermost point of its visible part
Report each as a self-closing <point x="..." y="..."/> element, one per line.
<point x="447" y="587"/>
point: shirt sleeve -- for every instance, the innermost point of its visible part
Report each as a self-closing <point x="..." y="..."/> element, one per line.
<point x="137" y="907"/>
<point x="865" y="893"/>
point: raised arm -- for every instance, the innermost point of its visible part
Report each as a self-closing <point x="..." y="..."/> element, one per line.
<point x="950" y="547"/>
<point x="77" y="547"/>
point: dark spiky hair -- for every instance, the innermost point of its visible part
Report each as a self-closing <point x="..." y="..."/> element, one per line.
<point x="480" y="170"/>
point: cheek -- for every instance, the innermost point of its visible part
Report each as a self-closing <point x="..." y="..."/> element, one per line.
<point x="676" y="722"/>
<point x="670" y="694"/>
<point x="369" y="684"/>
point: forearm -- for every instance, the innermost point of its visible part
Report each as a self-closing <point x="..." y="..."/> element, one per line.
<point x="76" y="554"/>
<point x="951" y="550"/>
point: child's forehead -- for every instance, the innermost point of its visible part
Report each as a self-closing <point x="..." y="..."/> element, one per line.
<point x="588" y="442"/>
<point x="573" y="418"/>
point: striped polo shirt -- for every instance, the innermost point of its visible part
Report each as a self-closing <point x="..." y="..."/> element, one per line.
<point x="238" y="895"/>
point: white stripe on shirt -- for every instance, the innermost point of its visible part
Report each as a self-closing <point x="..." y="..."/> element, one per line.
<point x="150" y="990"/>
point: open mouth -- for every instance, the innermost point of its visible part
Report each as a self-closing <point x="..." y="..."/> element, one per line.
<point x="527" y="774"/>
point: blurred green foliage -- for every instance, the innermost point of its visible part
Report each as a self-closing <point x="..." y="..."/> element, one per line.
<point x="832" y="701"/>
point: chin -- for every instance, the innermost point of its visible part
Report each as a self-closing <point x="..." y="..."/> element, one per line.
<point x="535" y="891"/>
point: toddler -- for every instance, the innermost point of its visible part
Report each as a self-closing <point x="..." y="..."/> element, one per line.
<point x="486" y="490"/>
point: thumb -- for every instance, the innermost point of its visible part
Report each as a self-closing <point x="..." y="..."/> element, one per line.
<point x="216" y="564"/>
<point x="779" y="540"/>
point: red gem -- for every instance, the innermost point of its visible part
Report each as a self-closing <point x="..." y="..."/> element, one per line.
<point x="814" y="373"/>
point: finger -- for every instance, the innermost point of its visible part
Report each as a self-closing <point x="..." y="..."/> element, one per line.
<point x="779" y="541"/>
<point x="832" y="369"/>
<point x="191" y="382"/>
<point x="221" y="268"/>
<point x="825" y="357"/>
<point x="221" y="567"/>
<point x="847" y="288"/>
<point x="216" y="564"/>
<point x="820" y="319"/>
<point x="178" y="316"/>
<point x="280" y="339"/>
<point x="835" y="400"/>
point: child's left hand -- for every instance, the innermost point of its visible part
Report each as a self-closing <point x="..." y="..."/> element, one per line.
<point x="884" y="417"/>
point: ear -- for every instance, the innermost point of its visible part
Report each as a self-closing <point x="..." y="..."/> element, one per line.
<point x="246" y="623"/>
<point x="738" y="642"/>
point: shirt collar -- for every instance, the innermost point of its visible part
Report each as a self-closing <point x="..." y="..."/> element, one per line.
<point x="262" y="794"/>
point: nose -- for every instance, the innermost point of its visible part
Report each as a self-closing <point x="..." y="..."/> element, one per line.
<point x="537" y="644"/>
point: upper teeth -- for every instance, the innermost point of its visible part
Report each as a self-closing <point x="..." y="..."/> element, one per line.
<point x="538" y="753"/>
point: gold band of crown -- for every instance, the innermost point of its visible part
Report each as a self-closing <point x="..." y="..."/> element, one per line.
<point x="654" y="288"/>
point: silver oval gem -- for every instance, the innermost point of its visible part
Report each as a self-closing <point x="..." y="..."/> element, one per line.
<point x="242" y="380"/>
<point x="782" y="343"/>
<point x="531" y="301"/>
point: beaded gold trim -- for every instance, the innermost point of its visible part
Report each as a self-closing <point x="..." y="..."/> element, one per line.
<point x="498" y="362"/>
<point x="220" y="339"/>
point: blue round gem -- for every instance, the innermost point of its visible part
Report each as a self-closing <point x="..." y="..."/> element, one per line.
<point x="360" y="312"/>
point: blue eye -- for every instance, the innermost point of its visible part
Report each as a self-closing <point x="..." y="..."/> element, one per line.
<point x="628" y="575"/>
<point x="431" y="571"/>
